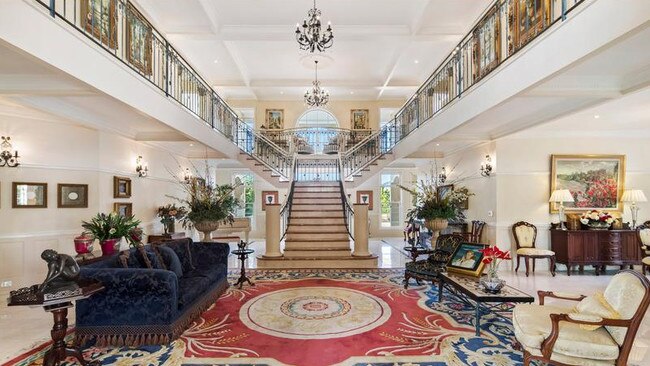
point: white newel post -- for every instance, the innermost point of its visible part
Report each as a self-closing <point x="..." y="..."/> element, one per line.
<point x="361" y="230"/>
<point x="272" y="231"/>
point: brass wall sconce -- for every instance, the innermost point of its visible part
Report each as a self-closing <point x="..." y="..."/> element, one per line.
<point x="141" y="167"/>
<point x="442" y="177"/>
<point x="486" y="168"/>
<point x="8" y="157"/>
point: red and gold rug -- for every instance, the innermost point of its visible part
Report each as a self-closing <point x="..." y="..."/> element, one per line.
<point x="326" y="317"/>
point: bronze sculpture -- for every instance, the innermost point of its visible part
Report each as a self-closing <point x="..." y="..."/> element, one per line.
<point x="62" y="271"/>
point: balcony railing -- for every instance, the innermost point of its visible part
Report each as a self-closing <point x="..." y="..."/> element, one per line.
<point x="504" y="29"/>
<point x="316" y="140"/>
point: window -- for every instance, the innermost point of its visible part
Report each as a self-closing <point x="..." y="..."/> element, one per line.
<point x="317" y="118"/>
<point x="245" y="193"/>
<point x="391" y="197"/>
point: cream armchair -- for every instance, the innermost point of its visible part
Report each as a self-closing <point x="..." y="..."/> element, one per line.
<point x="643" y="232"/>
<point x="599" y="331"/>
<point x="525" y="235"/>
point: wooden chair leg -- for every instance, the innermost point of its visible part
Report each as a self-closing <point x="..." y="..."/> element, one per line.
<point x="534" y="261"/>
<point x="551" y="263"/>
<point x="527" y="263"/>
<point x="643" y="269"/>
<point x="527" y="357"/>
<point x="517" y="268"/>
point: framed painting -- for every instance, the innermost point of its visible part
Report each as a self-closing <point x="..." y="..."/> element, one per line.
<point x="527" y="19"/>
<point x="99" y="18"/>
<point x="365" y="197"/>
<point x="72" y="195"/>
<point x="487" y="46"/>
<point x="275" y="119"/>
<point x="269" y="198"/>
<point x="29" y="195"/>
<point x="359" y="119"/>
<point x="123" y="209"/>
<point x="139" y="34"/>
<point x="596" y="182"/>
<point x="121" y="187"/>
<point x="467" y="259"/>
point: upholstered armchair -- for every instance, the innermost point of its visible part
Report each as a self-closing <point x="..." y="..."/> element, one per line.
<point x="643" y="232"/>
<point x="599" y="330"/>
<point x="525" y="236"/>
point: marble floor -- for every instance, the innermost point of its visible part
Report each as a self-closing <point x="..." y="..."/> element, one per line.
<point x="21" y="328"/>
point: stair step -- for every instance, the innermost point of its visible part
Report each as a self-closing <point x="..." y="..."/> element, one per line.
<point x="316" y="206"/>
<point x="317" y="221"/>
<point x="317" y="189"/>
<point x="316" y="195"/>
<point x="316" y="229"/>
<point x="315" y="214"/>
<point x="301" y="244"/>
<point x="316" y="253"/>
<point x="318" y="184"/>
<point x="317" y="237"/>
<point x="317" y="201"/>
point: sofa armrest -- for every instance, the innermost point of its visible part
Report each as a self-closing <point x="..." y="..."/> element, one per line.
<point x="132" y="296"/>
<point x="206" y="254"/>
<point x="558" y="295"/>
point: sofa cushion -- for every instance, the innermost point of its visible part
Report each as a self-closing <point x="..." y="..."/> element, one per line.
<point x="535" y="251"/>
<point x="190" y="288"/>
<point x="138" y="258"/>
<point x="183" y="250"/>
<point x="532" y="324"/>
<point x="213" y="273"/>
<point x="170" y="260"/>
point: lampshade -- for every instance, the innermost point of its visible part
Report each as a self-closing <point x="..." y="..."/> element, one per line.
<point x="634" y="195"/>
<point x="561" y="195"/>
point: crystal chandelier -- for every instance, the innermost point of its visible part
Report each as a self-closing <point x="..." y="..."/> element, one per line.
<point x="310" y="37"/>
<point x="316" y="97"/>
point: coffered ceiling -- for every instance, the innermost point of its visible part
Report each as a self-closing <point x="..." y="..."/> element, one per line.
<point x="383" y="49"/>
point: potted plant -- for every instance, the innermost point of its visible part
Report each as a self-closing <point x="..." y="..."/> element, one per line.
<point x="168" y="215"/>
<point x="109" y="229"/>
<point x="492" y="257"/>
<point x="597" y="220"/>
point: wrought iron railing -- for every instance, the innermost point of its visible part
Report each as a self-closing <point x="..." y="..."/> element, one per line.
<point x="314" y="170"/>
<point x="285" y="212"/>
<point x="348" y="211"/>
<point x="504" y="28"/>
<point x="316" y="140"/>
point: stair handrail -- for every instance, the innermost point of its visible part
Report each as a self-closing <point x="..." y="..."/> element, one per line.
<point x="251" y="146"/>
<point x="348" y="210"/>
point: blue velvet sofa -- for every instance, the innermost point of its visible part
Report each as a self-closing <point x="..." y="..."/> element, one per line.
<point x="151" y="295"/>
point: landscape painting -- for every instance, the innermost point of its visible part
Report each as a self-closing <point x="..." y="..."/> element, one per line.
<point x="596" y="182"/>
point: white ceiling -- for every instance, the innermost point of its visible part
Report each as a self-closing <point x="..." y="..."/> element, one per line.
<point x="383" y="49"/>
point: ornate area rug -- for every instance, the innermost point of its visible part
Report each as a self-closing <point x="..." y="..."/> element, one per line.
<point x="326" y="317"/>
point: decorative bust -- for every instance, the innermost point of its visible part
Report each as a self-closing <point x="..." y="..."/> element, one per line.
<point x="62" y="271"/>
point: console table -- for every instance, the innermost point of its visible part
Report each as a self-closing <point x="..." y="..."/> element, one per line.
<point x="598" y="248"/>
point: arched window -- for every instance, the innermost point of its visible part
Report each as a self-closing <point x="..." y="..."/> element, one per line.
<point x="317" y="118"/>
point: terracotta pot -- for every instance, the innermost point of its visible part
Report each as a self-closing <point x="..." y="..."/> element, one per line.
<point x="83" y="245"/>
<point x="207" y="227"/>
<point x="436" y="225"/>
<point x="110" y="246"/>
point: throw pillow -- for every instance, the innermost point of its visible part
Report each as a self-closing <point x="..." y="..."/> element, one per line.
<point x="596" y="305"/>
<point x="170" y="259"/>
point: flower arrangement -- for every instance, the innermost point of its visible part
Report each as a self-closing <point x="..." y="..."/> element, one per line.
<point x="492" y="258"/>
<point x="110" y="226"/>
<point x="168" y="215"/>
<point x="597" y="219"/>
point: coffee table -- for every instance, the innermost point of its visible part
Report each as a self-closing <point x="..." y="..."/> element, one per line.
<point x="471" y="293"/>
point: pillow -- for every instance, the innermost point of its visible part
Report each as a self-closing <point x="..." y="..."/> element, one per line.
<point x="170" y="259"/>
<point x="595" y="305"/>
<point x="139" y="258"/>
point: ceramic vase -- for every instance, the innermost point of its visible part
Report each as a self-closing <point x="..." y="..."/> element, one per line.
<point x="110" y="246"/>
<point x="207" y="227"/>
<point x="436" y="225"/>
<point x="83" y="245"/>
<point x="492" y="283"/>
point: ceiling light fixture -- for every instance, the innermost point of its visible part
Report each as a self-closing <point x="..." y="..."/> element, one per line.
<point x="597" y="116"/>
<point x="316" y="97"/>
<point x="310" y="37"/>
<point x="416" y="61"/>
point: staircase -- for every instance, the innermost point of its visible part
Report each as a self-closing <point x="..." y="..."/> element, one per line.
<point x="317" y="234"/>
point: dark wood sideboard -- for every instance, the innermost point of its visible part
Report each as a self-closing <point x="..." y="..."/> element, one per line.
<point x="598" y="248"/>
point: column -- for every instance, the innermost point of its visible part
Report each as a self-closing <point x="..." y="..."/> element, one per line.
<point x="361" y="230"/>
<point x="272" y="231"/>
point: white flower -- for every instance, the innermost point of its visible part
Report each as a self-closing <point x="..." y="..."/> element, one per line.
<point x="609" y="220"/>
<point x="112" y="231"/>
<point x="584" y="221"/>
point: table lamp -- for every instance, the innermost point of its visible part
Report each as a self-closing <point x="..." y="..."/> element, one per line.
<point x="633" y="196"/>
<point x="560" y="196"/>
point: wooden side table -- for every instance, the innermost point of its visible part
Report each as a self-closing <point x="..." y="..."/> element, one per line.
<point x="243" y="254"/>
<point x="165" y="237"/>
<point x="58" y="304"/>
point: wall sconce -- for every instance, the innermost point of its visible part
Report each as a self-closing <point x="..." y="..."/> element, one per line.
<point x="141" y="167"/>
<point x="486" y="168"/>
<point x="188" y="175"/>
<point x="442" y="177"/>
<point x="8" y="157"/>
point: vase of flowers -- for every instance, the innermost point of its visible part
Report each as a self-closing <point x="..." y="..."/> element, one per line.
<point x="492" y="258"/>
<point x="168" y="215"/>
<point x="109" y="229"/>
<point x="597" y="220"/>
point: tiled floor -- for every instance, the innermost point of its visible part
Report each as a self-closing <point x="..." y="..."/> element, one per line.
<point x="23" y="327"/>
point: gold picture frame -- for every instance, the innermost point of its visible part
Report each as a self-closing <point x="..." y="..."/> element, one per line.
<point x="99" y="19"/>
<point x="274" y="119"/>
<point x="467" y="259"/>
<point x="139" y="34"/>
<point x="72" y="195"/>
<point x="581" y="174"/>
<point x="527" y="19"/>
<point x="368" y="195"/>
<point x="486" y="50"/>
<point x="121" y="187"/>
<point x="124" y="209"/>
<point x="28" y="195"/>
<point x="269" y="198"/>
<point x="359" y="119"/>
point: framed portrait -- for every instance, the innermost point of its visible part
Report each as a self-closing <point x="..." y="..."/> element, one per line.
<point x="359" y="119"/>
<point x="123" y="209"/>
<point x="527" y="19"/>
<point x="486" y="49"/>
<point x="269" y="198"/>
<point x="139" y="35"/>
<point x="365" y="197"/>
<point x="29" y="195"/>
<point x="121" y="187"/>
<point x="596" y="182"/>
<point x="99" y="18"/>
<point x="275" y="119"/>
<point x="467" y="259"/>
<point x="72" y="195"/>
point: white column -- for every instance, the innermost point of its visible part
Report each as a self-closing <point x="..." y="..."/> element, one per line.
<point x="361" y="230"/>
<point x="272" y="231"/>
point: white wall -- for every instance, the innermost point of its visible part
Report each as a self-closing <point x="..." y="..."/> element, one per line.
<point x="55" y="153"/>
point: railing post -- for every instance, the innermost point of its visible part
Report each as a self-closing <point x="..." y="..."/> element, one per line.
<point x="361" y="230"/>
<point x="563" y="10"/>
<point x="168" y="79"/>
<point x="272" y="231"/>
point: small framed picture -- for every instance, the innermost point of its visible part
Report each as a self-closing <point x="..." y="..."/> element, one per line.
<point x="121" y="187"/>
<point x="365" y="197"/>
<point x="275" y="119"/>
<point x="29" y="195"/>
<point x="359" y="119"/>
<point x="269" y="198"/>
<point x="72" y="195"/>
<point x="123" y="209"/>
<point x="467" y="259"/>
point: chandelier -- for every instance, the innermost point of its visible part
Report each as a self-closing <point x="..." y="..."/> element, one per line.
<point x="316" y="97"/>
<point x="310" y="37"/>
